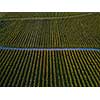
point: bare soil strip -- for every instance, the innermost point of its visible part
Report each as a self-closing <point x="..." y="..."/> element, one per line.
<point x="49" y="49"/>
<point x="47" y="18"/>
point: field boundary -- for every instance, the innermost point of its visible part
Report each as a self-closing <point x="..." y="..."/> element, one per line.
<point x="46" y="18"/>
<point x="50" y="49"/>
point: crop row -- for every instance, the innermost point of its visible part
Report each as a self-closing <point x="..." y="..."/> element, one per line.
<point x="49" y="68"/>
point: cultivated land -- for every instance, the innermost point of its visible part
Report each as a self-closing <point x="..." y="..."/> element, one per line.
<point x="49" y="30"/>
<point x="83" y="31"/>
<point x="49" y="68"/>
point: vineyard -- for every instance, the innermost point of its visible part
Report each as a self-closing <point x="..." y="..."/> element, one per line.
<point x="52" y="33"/>
<point x="49" y="68"/>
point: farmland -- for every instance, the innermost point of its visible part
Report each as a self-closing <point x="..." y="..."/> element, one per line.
<point x="47" y="68"/>
<point x="46" y="33"/>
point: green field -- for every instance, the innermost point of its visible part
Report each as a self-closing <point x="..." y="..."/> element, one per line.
<point x="49" y="33"/>
<point x="49" y="68"/>
<point x="64" y="68"/>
